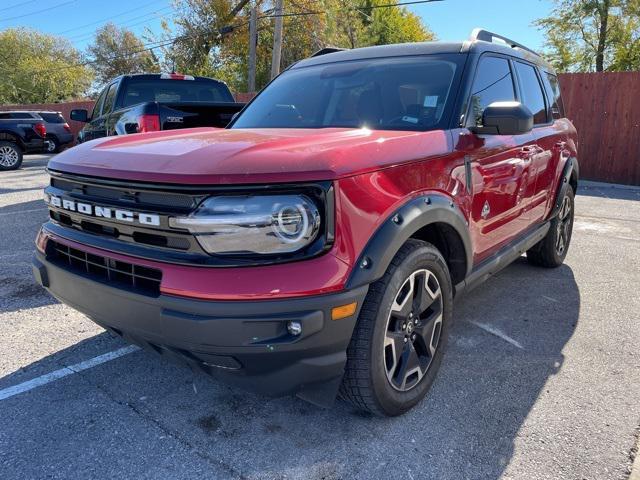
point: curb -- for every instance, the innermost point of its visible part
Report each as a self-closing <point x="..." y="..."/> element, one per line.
<point x="617" y="186"/>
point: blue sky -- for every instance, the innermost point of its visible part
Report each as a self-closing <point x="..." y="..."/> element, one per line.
<point x="450" y="19"/>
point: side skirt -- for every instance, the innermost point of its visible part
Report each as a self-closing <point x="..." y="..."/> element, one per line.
<point x="501" y="259"/>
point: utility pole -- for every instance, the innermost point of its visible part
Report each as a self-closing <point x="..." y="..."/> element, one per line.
<point x="253" y="40"/>
<point x="277" y="40"/>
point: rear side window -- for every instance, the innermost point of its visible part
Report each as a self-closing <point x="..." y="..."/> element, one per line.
<point x="493" y="83"/>
<point x="553" y="87"/>
<point x="22" y="115"/>
<point x="531" y="92"/>
<point x="52" y="117"/>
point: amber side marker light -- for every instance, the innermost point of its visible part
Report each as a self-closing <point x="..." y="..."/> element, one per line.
<point x="343" y="311"/>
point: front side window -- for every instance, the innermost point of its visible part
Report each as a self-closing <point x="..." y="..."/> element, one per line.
<point x="110" y="99"/>
<point x="531" y="92"/>
<point x="98" y="105"/>
<point x="493" y="83"/>
<point x="408" y="93"/>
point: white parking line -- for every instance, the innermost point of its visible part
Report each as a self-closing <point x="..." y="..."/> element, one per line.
<point x="65" y="371"/>
<point x="498" y="333"/>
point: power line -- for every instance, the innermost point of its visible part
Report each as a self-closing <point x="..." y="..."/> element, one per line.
<point x="85" y="36"/>
<point x="17" y="5"/>
<point x="37" y="11"/>
<point x="107" y="19"/>
<point x="354" y="9"/>
<point x="223" y="30"/>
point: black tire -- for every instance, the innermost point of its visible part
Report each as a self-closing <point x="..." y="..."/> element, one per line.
<point x="52" y="145"/>
<point x="368" y="381"/>
<point x="547" y="252"/>
<point x="10" y="156"/>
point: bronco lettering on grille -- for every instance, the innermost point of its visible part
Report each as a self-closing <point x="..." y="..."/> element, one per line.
<point x="125" y="216"/>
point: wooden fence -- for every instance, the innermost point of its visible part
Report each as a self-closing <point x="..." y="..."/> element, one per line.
<point x="605" y="108"/>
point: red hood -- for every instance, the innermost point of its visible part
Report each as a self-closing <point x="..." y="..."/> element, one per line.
<point x="218" y="156"/>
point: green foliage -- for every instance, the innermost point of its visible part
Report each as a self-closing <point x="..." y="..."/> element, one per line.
<point x="118" y="51"/>
<point x="593" y="35"/>
<point x="202" y="50"/>
<point x="40" y="68"/>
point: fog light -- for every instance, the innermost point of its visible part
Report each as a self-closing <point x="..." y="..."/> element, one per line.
<point x="294" y="328"/>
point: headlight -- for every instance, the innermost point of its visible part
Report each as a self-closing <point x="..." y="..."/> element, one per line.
<point x="265" y="224"/>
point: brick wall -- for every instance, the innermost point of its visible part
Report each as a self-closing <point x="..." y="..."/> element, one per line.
<point x="66" y="108"/>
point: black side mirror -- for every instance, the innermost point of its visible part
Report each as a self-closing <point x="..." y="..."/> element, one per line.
<point x="80" y="115"/>
<point x="505" y="118"/>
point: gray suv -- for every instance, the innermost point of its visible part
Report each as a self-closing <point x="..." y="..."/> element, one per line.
<point x="58" y="131"/>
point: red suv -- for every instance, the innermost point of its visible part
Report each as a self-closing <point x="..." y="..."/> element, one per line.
<point x="316" y="244"/>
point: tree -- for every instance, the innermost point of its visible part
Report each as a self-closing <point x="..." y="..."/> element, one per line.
<point x="593" y="35"/>
<point x="212" y="35"/>
<point x="118" y="51"/>
<point x="40" y="68"/>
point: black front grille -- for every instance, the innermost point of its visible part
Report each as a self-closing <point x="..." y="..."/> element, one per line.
<point x="131" y="195"/>
<point x="106" y="270"/>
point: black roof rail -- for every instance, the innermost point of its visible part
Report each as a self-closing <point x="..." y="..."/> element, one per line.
<point x="326" y="50"/>
<point x="487" y="36"/>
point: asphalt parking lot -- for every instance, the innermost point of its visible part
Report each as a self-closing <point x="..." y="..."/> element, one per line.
<point x="541" y="379"/>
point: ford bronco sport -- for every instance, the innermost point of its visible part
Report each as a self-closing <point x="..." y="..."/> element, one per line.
<point x="315" y="245"/>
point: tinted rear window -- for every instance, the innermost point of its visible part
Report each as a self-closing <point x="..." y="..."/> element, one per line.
<point x="20" y="115"/>
<point x="169" y="91"/>
<point x="52" y="117"/>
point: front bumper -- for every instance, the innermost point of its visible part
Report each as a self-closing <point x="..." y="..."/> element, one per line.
<point x="241" y="342"/>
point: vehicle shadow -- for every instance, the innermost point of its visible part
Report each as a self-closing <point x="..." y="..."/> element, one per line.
<point x="506" y="343"/>
<point x="18" y="289"/>
<point x="608" y="190"/>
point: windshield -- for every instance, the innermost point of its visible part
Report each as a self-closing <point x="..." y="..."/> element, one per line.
<point x="170" y="91"/>
<point x="405" y="93"/>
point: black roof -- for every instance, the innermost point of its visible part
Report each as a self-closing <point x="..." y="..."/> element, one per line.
<point x="475" y="45"/>
<point x="157" y="75"/>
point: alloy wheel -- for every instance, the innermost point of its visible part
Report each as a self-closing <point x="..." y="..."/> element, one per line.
<point x="563" y="235"/>
<point x="8" y="156"/>
<point x="413" y="330"/>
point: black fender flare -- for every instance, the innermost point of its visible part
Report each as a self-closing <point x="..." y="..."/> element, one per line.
<point x="9" y="136"/>
<point x="570" y="168"/>
<point x="402" y="225"/>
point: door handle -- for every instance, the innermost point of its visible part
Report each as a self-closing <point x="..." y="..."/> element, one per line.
<point x="561" y="145"/>
<point x="527" y="152"/>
